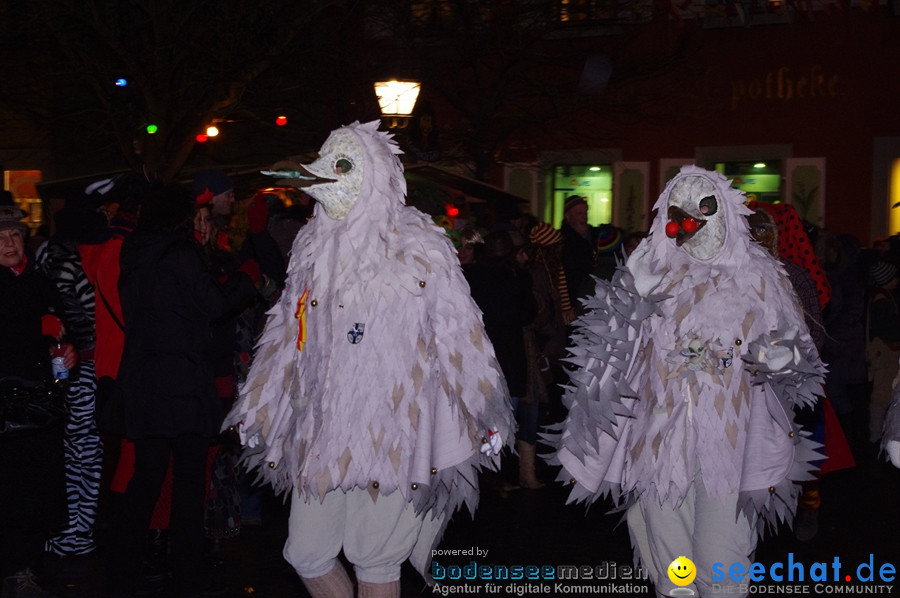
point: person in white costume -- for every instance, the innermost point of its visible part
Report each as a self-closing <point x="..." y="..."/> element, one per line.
<point x="375" y="395"/>
<point x="692" y="360"/>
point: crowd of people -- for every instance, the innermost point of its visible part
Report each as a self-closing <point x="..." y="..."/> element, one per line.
<point x="165" y="264"/>
<point x="153" y="296"/>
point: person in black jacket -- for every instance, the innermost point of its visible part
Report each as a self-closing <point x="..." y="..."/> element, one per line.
<point x="503" y="292"/>
<point x="32" y="483"/>
<point x="169" y="404"/>
<point x="587" y="250"/>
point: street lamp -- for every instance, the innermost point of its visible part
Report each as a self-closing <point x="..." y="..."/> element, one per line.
<point x="397" y="98"/>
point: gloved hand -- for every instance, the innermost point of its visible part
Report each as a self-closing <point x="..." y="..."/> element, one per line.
<point x="251" y="269"/>
<point x="892" y="448"/>
<point x="493" y="444"/>
<point x="51" y="326"/>
<point x="258" y="213"/>
<point x="248" y="441"/>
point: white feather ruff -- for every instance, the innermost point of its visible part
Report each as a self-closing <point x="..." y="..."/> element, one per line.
<point x="663" y="390"/>
<point x="406" y="408"/>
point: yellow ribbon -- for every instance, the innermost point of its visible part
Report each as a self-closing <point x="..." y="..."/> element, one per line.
<point x="300" y="314"/>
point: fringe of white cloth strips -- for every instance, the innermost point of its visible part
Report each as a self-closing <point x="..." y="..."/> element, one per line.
<point x="603" y="348"/>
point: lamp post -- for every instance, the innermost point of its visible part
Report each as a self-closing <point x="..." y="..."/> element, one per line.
<point x="396" y="99"/>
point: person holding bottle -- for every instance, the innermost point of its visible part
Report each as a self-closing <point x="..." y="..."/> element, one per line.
<point x="77" y="224"/>
<point x="33" y="507"/>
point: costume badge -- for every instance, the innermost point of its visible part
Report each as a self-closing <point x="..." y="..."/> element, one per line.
<point x="355" y="335"/>
<point x="728" y="358"/>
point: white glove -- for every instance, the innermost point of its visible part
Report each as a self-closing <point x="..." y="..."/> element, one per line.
<point x="892" y="448"/>
<point x="494" y="443"/>
<point x="252" y="441"/>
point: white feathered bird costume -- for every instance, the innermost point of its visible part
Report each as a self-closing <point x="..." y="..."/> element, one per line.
<point x="373" y="370"/>
<point x="692" y="359"/>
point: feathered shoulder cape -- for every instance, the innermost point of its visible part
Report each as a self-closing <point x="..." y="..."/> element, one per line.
<point x="374" y="370"/>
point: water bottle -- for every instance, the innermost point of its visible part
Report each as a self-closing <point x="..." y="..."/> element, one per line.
<point x="60" y="373"/>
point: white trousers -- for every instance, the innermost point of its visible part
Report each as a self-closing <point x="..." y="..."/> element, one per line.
<point x="705" y="529"/>
<point x="376" y="536"/>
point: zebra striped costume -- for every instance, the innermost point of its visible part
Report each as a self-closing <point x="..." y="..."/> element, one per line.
<point x="61" y="262"/>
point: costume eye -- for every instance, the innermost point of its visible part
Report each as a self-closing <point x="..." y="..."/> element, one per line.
<point x="343" y="166"/>
<point x="709" y="205"/>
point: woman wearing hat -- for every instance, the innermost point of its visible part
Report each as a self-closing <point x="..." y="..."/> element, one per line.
<point x="32" y="483"/>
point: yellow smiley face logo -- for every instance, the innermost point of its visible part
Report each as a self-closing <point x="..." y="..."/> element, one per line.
<point x="682" y="571"/>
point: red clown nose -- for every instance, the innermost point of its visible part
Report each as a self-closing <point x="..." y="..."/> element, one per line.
<point x="672" y="229"/>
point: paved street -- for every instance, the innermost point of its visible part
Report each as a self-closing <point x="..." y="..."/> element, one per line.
<point x="859" y="520"/>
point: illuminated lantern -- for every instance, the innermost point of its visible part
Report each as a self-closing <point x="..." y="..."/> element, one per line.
<point x="281" y="120"/>
<point x="151" y="129"/>
<point x="212" y="131"/>
<point x="451" y="210"/>
<point x="201" y="137"/>
<point x="121" y="82"/>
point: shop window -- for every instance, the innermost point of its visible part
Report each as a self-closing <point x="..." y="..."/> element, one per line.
<point x="894" y="198"/>
<point x="759" y="179"/>
<point x="23" y="186"/>
<point x="593" y="182"/>
<point x="586" y="11"/>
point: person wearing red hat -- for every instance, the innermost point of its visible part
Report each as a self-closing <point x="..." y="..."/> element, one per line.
<point x="215" y="188"/>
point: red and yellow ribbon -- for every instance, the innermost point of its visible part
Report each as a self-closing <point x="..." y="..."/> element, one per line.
<point x="300" y="314"/>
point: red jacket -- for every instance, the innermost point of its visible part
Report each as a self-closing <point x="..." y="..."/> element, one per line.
<point x="101" y="265"/>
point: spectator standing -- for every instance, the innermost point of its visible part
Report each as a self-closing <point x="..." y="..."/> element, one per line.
<point x="579" y="247"/>
<point x="217" y="189"/>
<point x="587" y="250"/>
<point x="32" y="494"/>
<point x="470" y="240"/>
<point x="882" y="342"/>
<point x="76" y="224"/>
<point x="170" y="408"/>
<point x="503" y="292"/>
<point x="764" y="230"/>
<point x="554" y="314"/>
<point x="846" y="381"/>
<point x="234" y="336"/>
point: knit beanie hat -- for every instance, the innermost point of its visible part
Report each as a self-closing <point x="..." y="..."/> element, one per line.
<point x="609" y="238"/>
<point x="11" y="217"/>
<point x="544" y="235"/>
<point x="572" y="201"/>
<point x="881" y="273"/>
